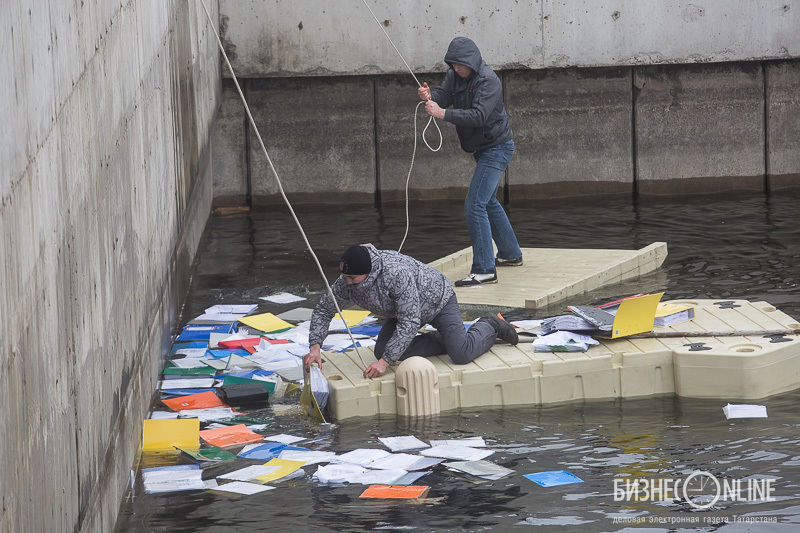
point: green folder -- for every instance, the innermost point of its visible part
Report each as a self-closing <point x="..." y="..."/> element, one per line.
<point x="195" y="371"/>
<point x="234" y="380"/>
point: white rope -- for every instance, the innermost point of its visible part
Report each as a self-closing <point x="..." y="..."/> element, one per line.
<point x="278" y="180"/>
<point x="416" y="109"/>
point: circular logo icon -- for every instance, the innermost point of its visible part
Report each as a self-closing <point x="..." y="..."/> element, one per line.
<point x="701" y="489"/>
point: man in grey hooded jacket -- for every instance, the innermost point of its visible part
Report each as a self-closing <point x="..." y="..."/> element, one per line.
<point x="476" y="95"/>
<point x="409" y="294"/>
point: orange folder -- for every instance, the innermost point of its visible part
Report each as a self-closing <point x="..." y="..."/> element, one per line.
<point x="204" y="400"/>
<point x="230" y="436"/>
<point x="395" y="491"/>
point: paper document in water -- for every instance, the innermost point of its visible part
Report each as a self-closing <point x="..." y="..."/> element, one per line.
<point x="403" y="443"/>
<point x="745" y="411"/>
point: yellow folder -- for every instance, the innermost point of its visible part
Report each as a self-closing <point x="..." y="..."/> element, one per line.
<point x="286" y="468"/>
<point x="266" y="322"/>
<point x="159" y="435"/>
<point x="635" y="315"/>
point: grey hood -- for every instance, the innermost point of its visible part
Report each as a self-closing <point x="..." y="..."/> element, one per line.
<point x="464" y="52"/>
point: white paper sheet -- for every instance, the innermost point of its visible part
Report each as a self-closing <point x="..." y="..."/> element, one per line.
<point x="283" y="298"/>
<point x="472" y="442"/>
<point x="362" y="456"/>
<point x="285" y="439"/>
<point x="459" y="453"/>
<point x="249" y="472"/>
<point x="308" y="457"/>
<point x="403" y="443"/>
<point x="745" y="411"/>
<point x="243" y="487"/>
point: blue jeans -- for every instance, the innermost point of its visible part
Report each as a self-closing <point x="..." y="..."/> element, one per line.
<point x="450" y="337"/>
<point x="486" y="218"/>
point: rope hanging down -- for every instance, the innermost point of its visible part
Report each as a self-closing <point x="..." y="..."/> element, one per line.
<point x="416" y="110"/>
<point x="278" y="179"/>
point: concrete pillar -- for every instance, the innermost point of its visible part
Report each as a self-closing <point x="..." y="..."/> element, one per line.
<point x="783" y="125"/>
<point x="572" y="130"/>
<point x="228" y="149"/>
<point x="699" y="128"/>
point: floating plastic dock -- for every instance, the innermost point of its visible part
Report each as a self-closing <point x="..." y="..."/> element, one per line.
<point x="728" y="367"/>
<point x="551" y="275"/>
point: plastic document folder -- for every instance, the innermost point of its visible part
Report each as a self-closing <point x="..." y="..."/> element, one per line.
<point x="230" y="436"/>
<point x="201" y="332"/>
<point x="395" y="491"/>
<point x="634" y="315"/>
<point x="159" y="435"/>
<point x="314" y="396"/>
<point x="552" y="479"/>
<point x="266" y="322"/>
<point x="204" y="400"/>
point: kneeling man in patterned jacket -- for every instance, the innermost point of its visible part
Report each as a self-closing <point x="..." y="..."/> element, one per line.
<point x="409" y="294"/>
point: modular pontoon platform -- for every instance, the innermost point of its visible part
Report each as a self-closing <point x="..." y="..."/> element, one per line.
<point x="728" y="366"/>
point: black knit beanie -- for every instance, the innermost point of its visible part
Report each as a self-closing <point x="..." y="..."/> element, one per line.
<point x="355" y="261"/>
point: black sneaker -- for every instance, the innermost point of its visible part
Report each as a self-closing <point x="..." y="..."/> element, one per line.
<point x="504" y="330"/>
<point x="498" y="261"/>
<point x="477" y="279"/>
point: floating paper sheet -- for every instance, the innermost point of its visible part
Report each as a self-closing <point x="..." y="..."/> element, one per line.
<point x="172" y="478"/>
<point x="212" y="413"/>
<point x="242" y="487"/>
<point x="189" y="383"/>
<point x="553" y="478"/>
<point x="745" y="411"/>
<point x="362" y="456"/>
<point x="190" y="354"/>
<point x="159" y="435"/>
<point x="249" y="472"/>
<point x="481" y="469"/>
<point x="283" y="298"/>
<point x="379" y="477"/>
<point x="337" y="473"/>
<point x="472" y="442"/>
<point x="307" y="457"/>
<point x="232" y="308"/>
<point x="284" y="438"/>
<point x="403" y="444"/>
<point x="163" y="415"/>
<point x="394" y="461"/>
<point x="463" y="453"/>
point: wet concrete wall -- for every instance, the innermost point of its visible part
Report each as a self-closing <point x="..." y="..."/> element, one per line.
<point x="628" y="96"/>
<point x="104" y="191"/>
<point x="651" y="130"/>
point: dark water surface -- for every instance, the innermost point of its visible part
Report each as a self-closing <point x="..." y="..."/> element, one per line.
<point x="721" y="247"/>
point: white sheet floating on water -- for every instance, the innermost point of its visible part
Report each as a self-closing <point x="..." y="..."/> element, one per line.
<point x="481" y="469"/>
<point x="362" y="456"/>
<point x="249" y="472"/>
<point x="463" y="453"/>
<point x="472" y="442"/>
<point x="403" y="444"/>
<point x="308" y="457"/>
<point x="173" y="478"/>
<point x="284" y="438"/>
<point x="188" y="383"/>
<point x="282" y="298"/>
<point x="242" y="487"/>
<point x="745" y="411"/>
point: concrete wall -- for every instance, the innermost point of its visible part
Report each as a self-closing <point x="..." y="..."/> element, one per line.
<point x="627" y="96"/>
<point x="104" y="193"/>
<point x="274" y="38"/>
<point x="651" y="130"/>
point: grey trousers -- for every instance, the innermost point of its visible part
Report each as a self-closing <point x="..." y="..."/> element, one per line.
<point x="450" y="337"/>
